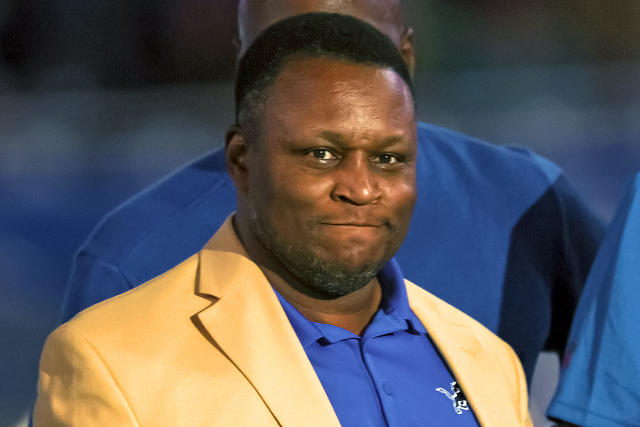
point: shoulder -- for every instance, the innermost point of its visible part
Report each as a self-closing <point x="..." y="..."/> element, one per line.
<point x="484" y="160"/>
<point x="496" y="183"/>
<point x="459" y="327"/>
<point x="155" y="302"/>
<point x="474" y="355"/>
<point x="424" y="300"/>
<point x="185" y="207"/>
<point x="89" y="365"/>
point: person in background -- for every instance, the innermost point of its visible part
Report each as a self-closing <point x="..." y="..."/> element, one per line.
<point x="599" y="383"/>
<point x="294" y="313"/>
<point x="497" y="231"/>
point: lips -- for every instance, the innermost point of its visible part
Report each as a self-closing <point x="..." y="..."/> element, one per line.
<point x="353" y="221"/>
<point x="353" y="224"/>
<point x="348" y="225"/>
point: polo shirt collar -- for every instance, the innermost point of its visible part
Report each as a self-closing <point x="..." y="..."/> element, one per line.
<point x="395" y="302"/>
<point x="394" y="314"/>
<point x="307" y="332"/>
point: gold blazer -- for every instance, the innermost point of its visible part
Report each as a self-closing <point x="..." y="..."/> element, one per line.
<point x="208" y="344"/>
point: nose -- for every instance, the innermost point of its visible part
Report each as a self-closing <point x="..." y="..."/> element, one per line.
<point x="355" y="182"/>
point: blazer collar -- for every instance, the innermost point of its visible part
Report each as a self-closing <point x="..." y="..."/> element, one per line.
<point x="248" y="324"/>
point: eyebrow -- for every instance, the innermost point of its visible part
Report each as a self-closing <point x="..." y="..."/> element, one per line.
<point x="338" y="138"/>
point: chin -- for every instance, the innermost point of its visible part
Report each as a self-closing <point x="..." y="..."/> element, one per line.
<point x="354" y="256"/>
<point x="333" y="276"/>
<point x="350" y="263"/>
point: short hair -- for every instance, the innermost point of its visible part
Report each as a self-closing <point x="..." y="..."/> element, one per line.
<point x="316" y="34"/>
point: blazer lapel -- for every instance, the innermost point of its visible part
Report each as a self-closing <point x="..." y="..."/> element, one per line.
<point x="249" y="325"/>
<point x="478" y="373"/>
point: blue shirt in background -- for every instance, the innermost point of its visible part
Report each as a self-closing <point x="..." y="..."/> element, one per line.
<point x="600" y="382"/>
<point x="392" y="374"/>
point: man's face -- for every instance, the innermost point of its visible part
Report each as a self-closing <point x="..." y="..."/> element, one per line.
<point x="331" y="172"/>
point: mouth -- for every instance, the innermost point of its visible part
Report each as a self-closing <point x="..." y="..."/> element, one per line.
<point x="354" y="221"/>
<point x="352" y="224"/>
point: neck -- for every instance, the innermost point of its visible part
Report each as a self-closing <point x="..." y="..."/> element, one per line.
<point x="352" y="312"/>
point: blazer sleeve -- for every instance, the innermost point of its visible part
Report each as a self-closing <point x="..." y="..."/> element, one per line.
<point x="76" y="388"/>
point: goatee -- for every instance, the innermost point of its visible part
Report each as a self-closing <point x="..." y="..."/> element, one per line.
<point x="321" y="278"/>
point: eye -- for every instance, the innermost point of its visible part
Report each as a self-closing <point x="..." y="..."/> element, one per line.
<point x="387" y="159"/>
<point x="322" y="154"/>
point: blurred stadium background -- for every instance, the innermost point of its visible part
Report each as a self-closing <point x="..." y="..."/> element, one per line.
<point x="98" y="99"/>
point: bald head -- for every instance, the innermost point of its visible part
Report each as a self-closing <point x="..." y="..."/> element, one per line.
<point x="254" y="16"/>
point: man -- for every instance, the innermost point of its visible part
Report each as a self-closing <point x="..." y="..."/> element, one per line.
<point x="294" y="313"/>
<point x="497" y="231"/>
<point x="599" y="382"/>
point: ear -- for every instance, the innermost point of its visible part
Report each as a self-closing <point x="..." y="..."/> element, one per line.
<point x="408" y="49"/>
<point x="236" y="152"/>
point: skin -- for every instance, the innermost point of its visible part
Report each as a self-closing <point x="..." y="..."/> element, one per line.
<point x="332" y="170"/>
<point x="256" y="15"/>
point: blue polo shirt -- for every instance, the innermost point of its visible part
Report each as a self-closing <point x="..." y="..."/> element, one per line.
<point x="392" y="374"/>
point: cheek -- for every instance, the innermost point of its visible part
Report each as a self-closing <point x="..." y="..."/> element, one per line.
<point x="299" y="199"/>
<point x="404" y="194"/>
<point x="288" y="194"/>
<point x="403" y="200"/>
<point x="265" y="178"/>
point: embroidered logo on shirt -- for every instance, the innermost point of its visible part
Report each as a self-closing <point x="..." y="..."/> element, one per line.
<point x="457" y="398"/>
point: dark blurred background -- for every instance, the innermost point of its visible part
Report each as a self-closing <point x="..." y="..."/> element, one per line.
<point x="98" y="99"/>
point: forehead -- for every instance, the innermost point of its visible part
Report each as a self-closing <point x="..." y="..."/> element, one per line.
<point x="254" y="16"/>
<point x="311" y="93"/>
